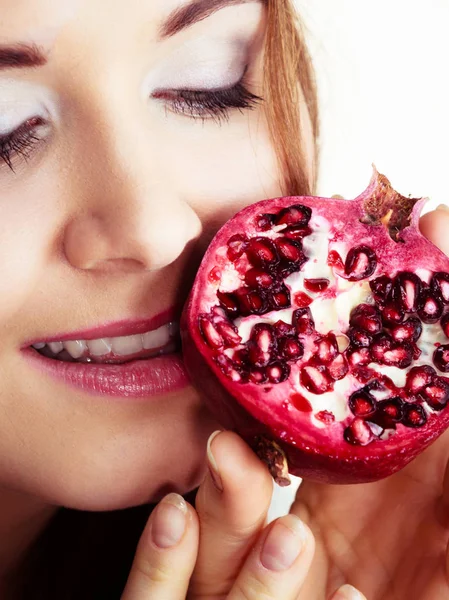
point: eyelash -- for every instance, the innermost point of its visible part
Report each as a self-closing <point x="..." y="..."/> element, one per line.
<point x="195" y="104"/>
<point x="209" y="104"/>
<point x="20" y="142"/>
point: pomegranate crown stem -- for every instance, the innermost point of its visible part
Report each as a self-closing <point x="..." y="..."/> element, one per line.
<point x="383" y="206"/>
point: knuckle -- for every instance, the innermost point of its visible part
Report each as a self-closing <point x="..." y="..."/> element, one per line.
<point x="253" y="588"/>
<point x="154" y="573"/>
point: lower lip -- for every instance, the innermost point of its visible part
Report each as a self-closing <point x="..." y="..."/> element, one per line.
<point x="135" y="379"/>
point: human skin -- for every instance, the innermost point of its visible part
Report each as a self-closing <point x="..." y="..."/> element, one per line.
<point x="96" y="227"/>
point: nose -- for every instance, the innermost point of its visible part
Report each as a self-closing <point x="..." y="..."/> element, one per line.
<point x="126" y="215"/>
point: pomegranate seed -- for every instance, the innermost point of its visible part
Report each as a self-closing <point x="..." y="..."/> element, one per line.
<point x="283" y="329"/>
<point x="236" y="246"/>
<point x="215" y="275"/>
<point x="358" y="356"/>
<point x="406" y="290"/>
<point x="392" y="314"/>
<point x="441" y="358"/>
<point x="262" y="344"/>
<point x="209" y="333"/>
<point x="316" y="285"/>
<point x="277" y="372"/>
<point x="258" y="376"/>
<point x="414" y="415"/>
<point x="280" y="297"/>
<point x="251" y="302"/>
<point x="419" y="377"/>
<point x="445" y="324"/>
<point x="361" y="404"/>
<point x="430" y="308"/>
<point x="325" y="416"/>
<point x="258" y="278"/>
<point x="334" y="260"/>
<point x="366" y="317"/>
<point x="262" y="252"/>
<point x="338" y="368"/>
<point x="436" y="394"/>
<point x="297" y="233"/>
<point x="386" y="352"/>
<point x="359" y="337"/>
<point x="303" y="321"/>
<point x="265" y="222"/>
<point x="301" y="403"/>
<point x="380" y="388"/>
<point x="410" y="330"/>
<point x="291" y="349"/>
<point x="289" y="250"/>
<point x="389" y="412"/>
<point x="400" y="356"/>
<point x="296" y="215"/>
<point x="361" y="263"/>
<point x="440" y="285"/>
<point x="229" y="333"/>
<point x="302" y="300"/>
<point x="227" y="367"/>
<point x="416" y="352"/>
<point x="358" y="433"/>
<point x="229" y="303"/>
<point x="381" y="288"/>
<point x="316" y="379"/>
<point x="327" y="348"/>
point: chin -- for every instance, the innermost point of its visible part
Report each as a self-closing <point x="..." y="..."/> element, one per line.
<point x="132" y="467"/>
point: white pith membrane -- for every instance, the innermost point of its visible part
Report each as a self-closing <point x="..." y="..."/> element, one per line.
<point x="331" y="311"/>
<point x="117" y="350"/>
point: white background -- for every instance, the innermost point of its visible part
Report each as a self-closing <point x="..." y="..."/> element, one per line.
<point x="383" y="70"/>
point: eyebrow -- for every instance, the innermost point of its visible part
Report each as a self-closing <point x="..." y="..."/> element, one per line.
<point x="21" y="56"/>
<point x="193" y="12"/>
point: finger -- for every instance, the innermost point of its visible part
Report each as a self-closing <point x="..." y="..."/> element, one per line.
<point x="166" y="553"/>
<point x="278" y="564"/>
<point x="347" y="592"/>
<point x="232" y="505"/>
<point x="435" y="226"/>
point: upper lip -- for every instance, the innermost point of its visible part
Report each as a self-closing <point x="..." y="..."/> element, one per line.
<point x="125" y="327"/>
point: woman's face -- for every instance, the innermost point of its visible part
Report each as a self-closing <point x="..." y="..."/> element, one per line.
<point x="112" y="182"/>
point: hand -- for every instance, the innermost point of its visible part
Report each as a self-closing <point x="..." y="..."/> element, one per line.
<point x="389" y="538"/>
<point x="223" y="550"/>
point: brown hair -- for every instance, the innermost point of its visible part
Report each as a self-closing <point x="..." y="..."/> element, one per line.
<point x="89" y="555"/>
<point x="289" y="75"/>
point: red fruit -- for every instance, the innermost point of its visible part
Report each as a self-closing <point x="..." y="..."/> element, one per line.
<point x="320" y="337"/>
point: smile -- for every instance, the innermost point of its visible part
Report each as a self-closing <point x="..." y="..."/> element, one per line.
<point x="114" y="350"/>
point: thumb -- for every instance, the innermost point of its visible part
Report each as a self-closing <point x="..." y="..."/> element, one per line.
<point x="435" y="226"/>
<point x="232" y="506"/>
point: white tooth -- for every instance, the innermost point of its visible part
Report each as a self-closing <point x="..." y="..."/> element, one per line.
<point x="127" y="345"/>
<point x="56" y="347"/>
<point x="76" y="348"/>
<point x="157" y="338"/>
<point x="39" y="346"/>
<point x="99" y="347"/>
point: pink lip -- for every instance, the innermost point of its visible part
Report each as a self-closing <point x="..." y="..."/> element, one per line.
<point x="113" y="329"/>
<point x="135" y="379"/>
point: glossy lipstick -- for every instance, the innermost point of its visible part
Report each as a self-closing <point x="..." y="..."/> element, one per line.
<point x="134" y="379"/>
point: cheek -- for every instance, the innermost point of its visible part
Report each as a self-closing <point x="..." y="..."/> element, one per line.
<point x="226" y="167"/>
<point x="28" y="220"/>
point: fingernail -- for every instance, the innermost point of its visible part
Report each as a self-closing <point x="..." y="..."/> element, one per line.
<point x="443" y="207"/>
<point x="212" y="463"/>
<point x="347" y="592"/>
<point x="283" y="544"/>
<point x="169" y="521"/>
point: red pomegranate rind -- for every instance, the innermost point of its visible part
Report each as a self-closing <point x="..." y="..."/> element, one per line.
<point x="377" y="312"/>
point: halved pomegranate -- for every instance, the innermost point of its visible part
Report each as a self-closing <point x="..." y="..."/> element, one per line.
<point x="318" y="330"/>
